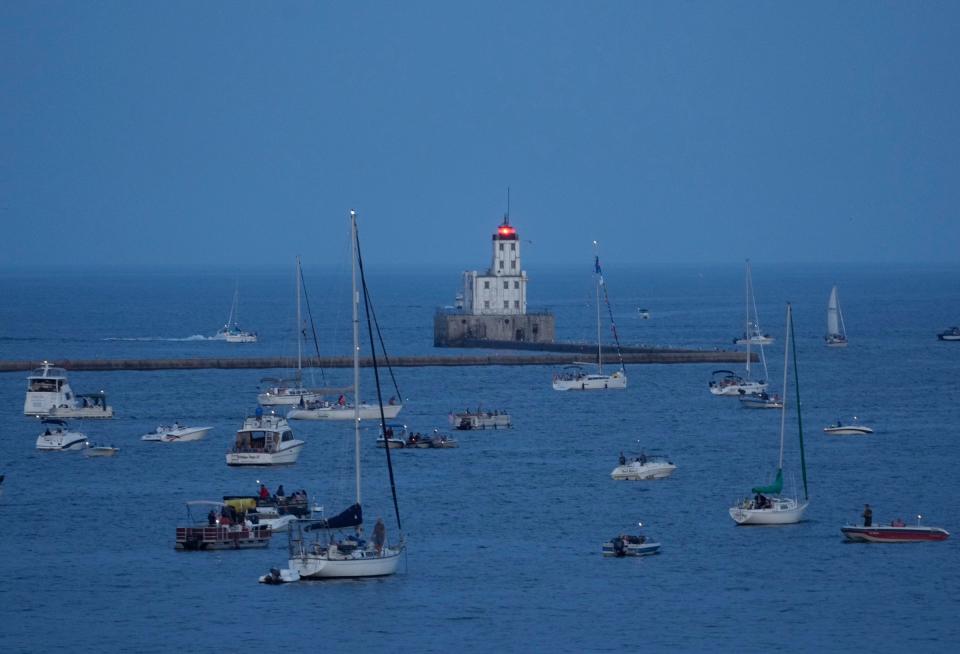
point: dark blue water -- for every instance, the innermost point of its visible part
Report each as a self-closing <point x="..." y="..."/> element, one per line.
<point x="504" y="532"/>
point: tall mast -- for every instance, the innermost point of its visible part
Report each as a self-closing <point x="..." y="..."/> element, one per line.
<point x="356" y="349"/>
<point x="746" y="303"/>
<point x="783" y="410"/>
<point x="299" y="327"/>
<point x="596" y="249"/>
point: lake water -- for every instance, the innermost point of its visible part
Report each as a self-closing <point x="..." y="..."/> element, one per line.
<point x="504" y="533"/>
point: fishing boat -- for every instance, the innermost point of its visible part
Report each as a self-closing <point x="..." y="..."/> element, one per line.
<point x="350" y="556"/>
<point x="231" y="332"/>
<point x="264" y="440"/>
<point x="49" y="394"/>
<point x="574" y="377"/>
<point x="836" y="331"/>
<point x="57" y="437"/>
<point x="480" y="420"/>
<point x="399" y="437"/>
<point x="752" y="335"/>
<point x="769" y="506"/>
<point x="952" y="334"/>
<point x="175" y="433"/>
<point x="840" y="429"/>
<point x="94" y="450"/>
<point x="761" y="400"/>
<point x="217" y="526"/>
<point x="630" y="545"/>
<point x="643" y="468"/>
<point x="896" y="532"/>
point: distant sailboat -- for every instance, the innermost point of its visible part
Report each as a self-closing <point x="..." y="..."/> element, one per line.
<point x="836" y="330"/>
<point x="231" y="332"/>
<point x="751" y="323"/>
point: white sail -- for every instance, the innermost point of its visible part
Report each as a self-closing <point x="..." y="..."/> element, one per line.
<point x="836" y="331"/>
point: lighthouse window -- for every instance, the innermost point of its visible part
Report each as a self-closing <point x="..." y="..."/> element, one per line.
<point x="501" y="263"/>
<point x="486" y="284"/>
<point x="506" y="304"/>
<point x="516" y="304"/>
<point x="513" y="247"/>
<point x="513" y="263"/>
<point x="486" y="304"/>
<point x="516" y="284"/>
<point x="501" y="247"/>
<point x="506" y="285"/>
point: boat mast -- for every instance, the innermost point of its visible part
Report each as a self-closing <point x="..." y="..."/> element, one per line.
<point x="796" y="384"/>
<point x="299" y="328"/>
<point x="746" y="322"/>
<point x="596" y="249"/>
<point x="356" y="350"/>
<point x="843" y="328"/>
<point x="783" y="409"/>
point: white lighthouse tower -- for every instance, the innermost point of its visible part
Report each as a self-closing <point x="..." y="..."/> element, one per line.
<point x="502" y="291"/>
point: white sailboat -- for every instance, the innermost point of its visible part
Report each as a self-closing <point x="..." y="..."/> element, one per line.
<point x="351" y="557"/>
<point x="751" y="323"/>
<point x="575" y="377"/>
<point x="231" y="332"/>
<point x="836" y="331"/>
<point x="769" y="506"/>
<point x="283" y="393"/>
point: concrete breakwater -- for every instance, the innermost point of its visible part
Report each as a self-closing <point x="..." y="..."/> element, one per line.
<point x="498" y="359"/>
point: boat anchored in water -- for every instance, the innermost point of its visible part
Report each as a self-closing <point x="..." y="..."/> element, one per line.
<point x="231" y="332"/>
<point x="840" y="429"/>
<point x="175" y="433"/>
<point x="643" y="468"/>
<point x="57" y="437"/>
<point x="896" y="532"/>
<point x="769" y="506"/>
<point x="574" y="377"/>
<point x="94" y="450"/>
<point x="344" y="410"/>
<point x="49" y="394"/>
<point x="630" y="545"/>
<point x="264" y="440"/>
<point x="762" y="400"/>
<point x="220" y="528"/>
<point x="751" y="323"/>
<point x="836" y="331"/>
<point x="952" y="334"/>
<point x="480" y="420"/>
<point x="398" y="437"/>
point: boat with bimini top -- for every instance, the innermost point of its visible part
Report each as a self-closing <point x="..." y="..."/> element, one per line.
<point x="57" y="437"/>
<point x="264" y="440"/>
<point x="49" y="394"/>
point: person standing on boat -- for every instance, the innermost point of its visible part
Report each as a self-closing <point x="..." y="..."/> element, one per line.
<point x="379" y="535"/>
<point x="623" y="459"/>
<point x="867" y="516"/>
<point x="264" y="492"/>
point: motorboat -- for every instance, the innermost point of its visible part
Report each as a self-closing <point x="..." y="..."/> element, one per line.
<point x="836" y="335"/>
<point x="761" y="400"/>
<point x="264" y="440"/>
<point x="752" y="335"/>
<point x="175" y="433"/>
<point x="57" y="437"/>
<point x="480" y="420"/>
<point x="574" y="377"/>
<point x="100" y="450"/>
<point x="642" y="468"/>
<point x="769" y="506"/>
<point x="49" y="394"/>
<point x="952" y="334"/>
<point x="644" y="314"/>
<point x="630" y="545"/>
<point x="231" y="332"/>
<point x="896" y="532"/>
<point x="398" y="437"/>
<point x="727" y="383"/>
<point x="841" y="429"/>
<point x="343" y="410"/>
<point x="278" y="576"/>
<point x="218" y="526"/>
<point x="276" y="512"/>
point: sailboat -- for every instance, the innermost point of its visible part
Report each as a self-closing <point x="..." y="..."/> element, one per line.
<point x="290" y="391"/>
<point x="769" y="506"/>
<point x="231" y="332"/>
<point x="352" y="556"/>
<point x="574" y="377"/>
<point x="836" y="330"/>
<point x="751" y="323"/>
<point x="727" y="383"/>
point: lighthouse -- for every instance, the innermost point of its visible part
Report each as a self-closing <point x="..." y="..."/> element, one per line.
<point x="492" y="307"/>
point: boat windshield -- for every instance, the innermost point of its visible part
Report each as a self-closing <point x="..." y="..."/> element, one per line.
<point x="45" y="385"/>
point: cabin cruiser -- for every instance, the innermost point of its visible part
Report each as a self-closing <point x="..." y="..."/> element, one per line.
<point x="49" y="394"/>
<point x="841" y="429"/>
<point x="643" y="468"/>
<point x="218" y="526"/>
<point x="729" y="384"/>
<point x="57" y="437"/>
<point x="175" y="433"/>
<point x="480" y="419"/>
<point x="952" y="334"/>
<point x="264" y="440"/>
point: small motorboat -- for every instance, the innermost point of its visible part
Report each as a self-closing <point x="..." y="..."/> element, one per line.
<point x="100" y="450"/>
<point x="278" y="576"/>
<point x="643" y="468"/>
<point x="761" y="400"/>
<point x="57" y="437"/>
<point x="841" y="429"/>
<point x="643" y="313"/>
<point x="952" y="334"/>
<point x="398" y="437"/>
<point x="896" y="532"/>
<point x="480" y="420"/>
<point x="630" y="545"/>
<point x="175" y="433"/>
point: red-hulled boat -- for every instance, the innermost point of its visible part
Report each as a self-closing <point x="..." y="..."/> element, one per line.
<point x="894" y="533"/>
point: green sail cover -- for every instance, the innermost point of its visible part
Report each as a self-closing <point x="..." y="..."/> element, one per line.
<point x="772" y="489"/>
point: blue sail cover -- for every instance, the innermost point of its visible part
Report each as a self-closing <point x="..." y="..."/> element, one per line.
<point x="351" y="517"/>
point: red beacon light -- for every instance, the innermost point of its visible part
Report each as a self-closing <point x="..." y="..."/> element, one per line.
<point x="506" y="230"/>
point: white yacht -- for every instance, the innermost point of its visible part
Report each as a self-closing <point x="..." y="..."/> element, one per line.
<point x="643" y="468"/>
<point x="343" y="411"/>
<point x="264" y="440"/>
<point x="49" y="394"/>
<point x="175" y="433"/>
<point x="57" y="437"/>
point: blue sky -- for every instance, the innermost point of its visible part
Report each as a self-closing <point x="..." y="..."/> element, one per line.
<point x="242" y="132"/>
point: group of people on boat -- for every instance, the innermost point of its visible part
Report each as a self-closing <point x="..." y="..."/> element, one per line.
<point x="761" y="501"/>
<point x="642" y="459"/>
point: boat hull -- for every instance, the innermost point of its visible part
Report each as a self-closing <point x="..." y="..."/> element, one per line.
<point x="890" y="534"/>
<point x="616" y="381"/>
<point x="357" y="565"/>
<point x="286" y="456"/>
<point x="754" y="340"/>
<point x="286" y="399"/>
<point x="847" y="430"/>
<point x="631" y="549"/>
<point x="466" y="421"/>
<point x="783" y="512"/>
<point x="69" y="441"/>
<point x="195" y="539"/>
<point x="636" y="472"/>
<point x="177" y="435"/>
<point x="100" y="451"/>
<point x="367" y="412"/>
